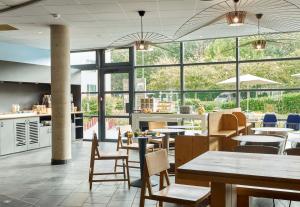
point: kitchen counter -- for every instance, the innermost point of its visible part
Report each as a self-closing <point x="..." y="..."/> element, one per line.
<point x="26" y="115"/>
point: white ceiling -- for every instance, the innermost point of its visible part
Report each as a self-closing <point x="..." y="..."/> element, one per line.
<point x="97" y="23"/>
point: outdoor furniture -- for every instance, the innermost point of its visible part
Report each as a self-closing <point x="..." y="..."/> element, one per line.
<point x="157" y="163"/>
<point x="130" y="145"/>
<point x="225" y="170"/>
<point x="96" y="155"/>
<point x="270" y="120"/>
<point x="157" y="125"/>
<point x="293" y="121"/>
<point x="257" y="149"/>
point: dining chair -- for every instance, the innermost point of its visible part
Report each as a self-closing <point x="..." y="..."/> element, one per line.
<point x="293" y="121"/>
<point x="270" y="120"/>
<point x="159" y="125"/>
<point x="96" y="155"/>
<point x="157" y="163"/>
<point x="129" y="145"/>
<point x="257" y="149"/>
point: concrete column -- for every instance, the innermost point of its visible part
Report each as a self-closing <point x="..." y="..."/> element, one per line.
<point x="61" y="94"/>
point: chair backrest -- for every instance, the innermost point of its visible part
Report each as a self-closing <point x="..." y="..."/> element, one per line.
<point x="122" y="130"/>
<point x="293" y="121"/>
<point x="270" y="120"/>
<point x="242" y="119"/>
<point x="95" y="144"/>
<point x="293" y="151"/>
<point x="157" y="162"/>
<point x="257" y="149"/>
<point x="156" y="125"/>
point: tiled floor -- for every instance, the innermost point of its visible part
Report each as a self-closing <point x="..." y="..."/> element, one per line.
<point x="28" y="179"/>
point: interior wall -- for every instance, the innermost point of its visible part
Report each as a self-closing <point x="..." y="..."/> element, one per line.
<point x="29" y="94"/>
<point x="24" y="94"/>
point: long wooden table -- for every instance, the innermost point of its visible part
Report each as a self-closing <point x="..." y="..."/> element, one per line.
<point x="225" y="170"/>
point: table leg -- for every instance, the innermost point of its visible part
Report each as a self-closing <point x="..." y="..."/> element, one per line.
<point x="223" y="195"/>
<point x="142" y="152"/>
<point x="165" y="142"/>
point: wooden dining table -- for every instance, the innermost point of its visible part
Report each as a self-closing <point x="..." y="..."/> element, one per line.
<point x="226" y="170"/>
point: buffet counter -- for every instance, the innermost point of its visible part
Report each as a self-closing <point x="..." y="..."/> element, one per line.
<point x="146" y="117"/>
<point x="25" y="115"/>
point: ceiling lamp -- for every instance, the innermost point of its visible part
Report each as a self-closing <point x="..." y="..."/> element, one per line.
<point x="259" y="44"/>
<point x="141" y="45"/>
<point x="236" y="18"/>
<point x="141" y="40"/>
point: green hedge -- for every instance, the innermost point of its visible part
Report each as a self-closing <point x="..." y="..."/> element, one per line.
<point x="288" y="103"/>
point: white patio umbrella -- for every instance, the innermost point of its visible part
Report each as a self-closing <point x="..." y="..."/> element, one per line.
<point x="296" y="75"/>
<point x="249" y="80"/>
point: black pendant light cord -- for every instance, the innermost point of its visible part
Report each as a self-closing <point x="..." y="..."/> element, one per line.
<point x="142" y="13"/>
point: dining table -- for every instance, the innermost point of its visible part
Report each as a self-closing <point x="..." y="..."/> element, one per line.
<point x="167" y="132"/>
<point x="225" y="170"/>
<point x="272" y="130"/>
<point x="259" y="138"/>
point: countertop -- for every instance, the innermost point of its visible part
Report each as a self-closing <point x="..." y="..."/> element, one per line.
<point x="26" y="115"/>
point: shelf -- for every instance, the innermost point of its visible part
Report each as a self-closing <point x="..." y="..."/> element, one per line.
<point x="78" y="126"/>
<point x="78" y="118"/>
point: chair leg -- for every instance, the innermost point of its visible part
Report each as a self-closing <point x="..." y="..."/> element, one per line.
<point x="116" y="163"/>
<point x="124" y="172"/>
<point x="91" y="179"/>
<point x="128" y="176"/>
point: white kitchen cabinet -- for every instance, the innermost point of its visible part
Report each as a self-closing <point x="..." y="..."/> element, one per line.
<point x="45" y="136"/>
<point x="26" y="134"/>
<point x="7" y="143"/>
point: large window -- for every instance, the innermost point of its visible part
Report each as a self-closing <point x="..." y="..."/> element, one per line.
<point x="89" y="102"/>
<point x="162" y="54"/>
<point x="195" y="73"/>
<point x="208" y="77"/>
<point x="209" y="50"/>
<point x="157" y="79"/>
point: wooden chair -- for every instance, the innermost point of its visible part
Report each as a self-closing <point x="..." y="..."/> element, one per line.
<point x="130" y="145"/>
<point x="159" y="125"/>
<point x="157" y="163"/>
<point x="257" y="149"/>
<point x="96" y="155"/>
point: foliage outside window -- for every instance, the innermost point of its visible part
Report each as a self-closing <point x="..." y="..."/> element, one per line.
<point x="209" y="50"/>
<point x="161" y="54"/>
<point x="158" y="79"/>
<point x="204" y="77"/>
<point x="117" y="55"/>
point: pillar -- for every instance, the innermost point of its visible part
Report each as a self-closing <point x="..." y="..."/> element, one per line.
<point x="61" y="94"/>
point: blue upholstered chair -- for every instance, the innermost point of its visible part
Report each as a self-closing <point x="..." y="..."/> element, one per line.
<point x="293" y="121"/>
<point x="270" y="120"/>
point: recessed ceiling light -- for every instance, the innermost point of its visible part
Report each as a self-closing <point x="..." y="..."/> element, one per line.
<point x="40" y="32"/>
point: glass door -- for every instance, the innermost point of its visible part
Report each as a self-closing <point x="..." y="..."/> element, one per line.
<point x="115" y="96"/>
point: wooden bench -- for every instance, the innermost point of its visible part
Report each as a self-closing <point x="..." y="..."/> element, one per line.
<point x="190" y="147"/>
<point x="223" y="126"/>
